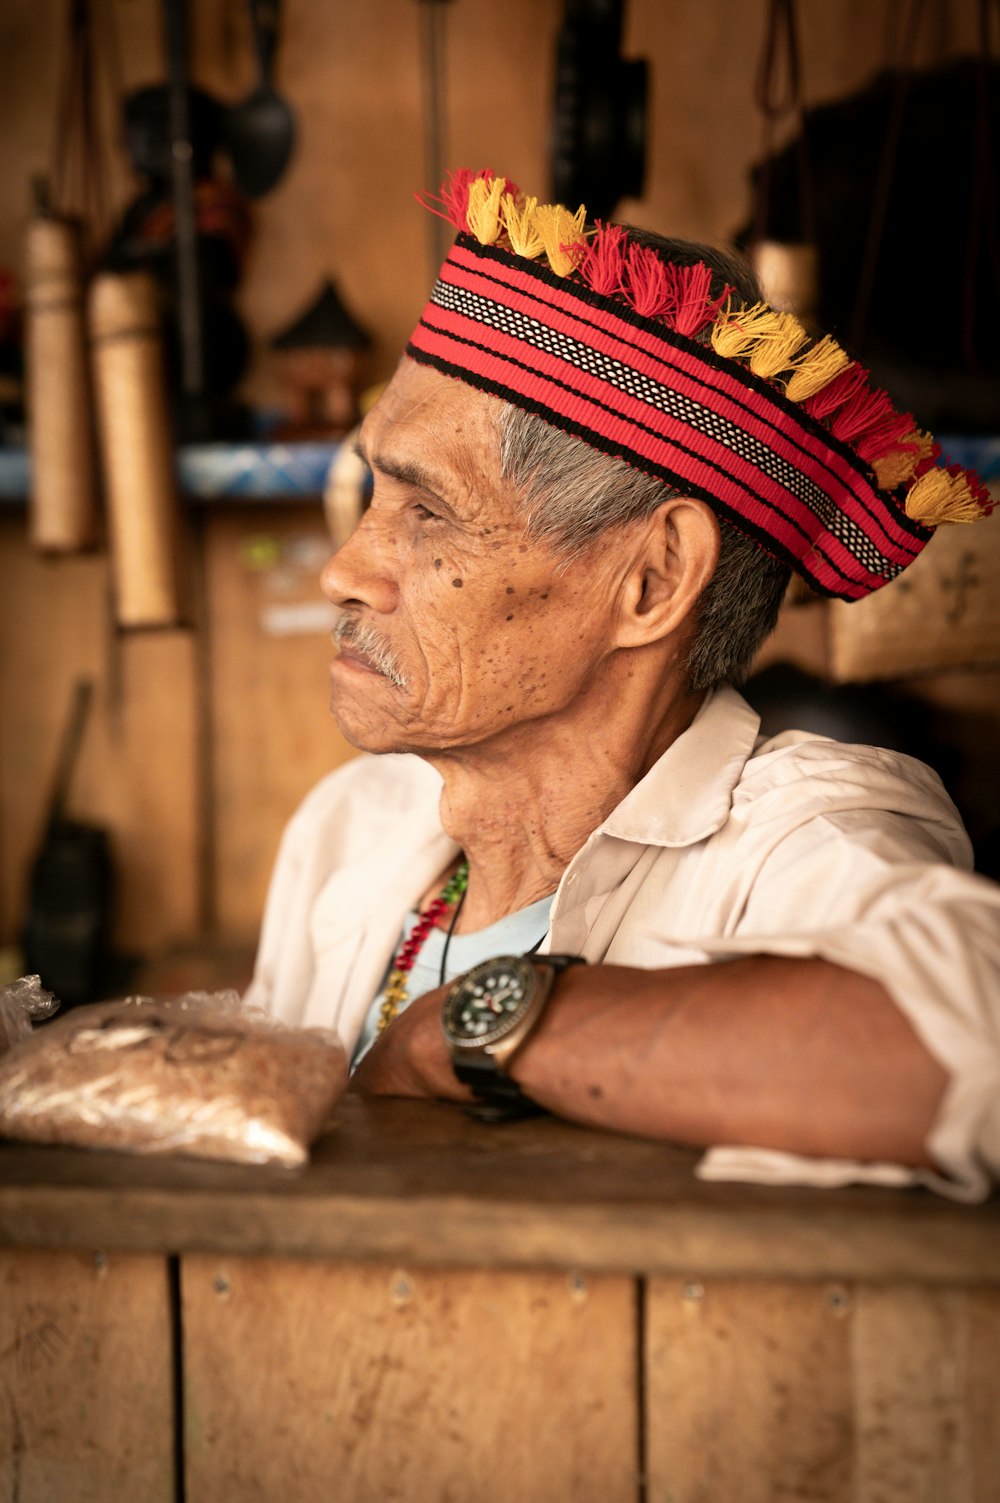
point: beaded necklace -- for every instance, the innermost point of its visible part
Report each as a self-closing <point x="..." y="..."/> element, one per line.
<point x="450" y="896"/>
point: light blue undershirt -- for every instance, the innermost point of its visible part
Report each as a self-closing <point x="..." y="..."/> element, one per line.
<point x="514" y="935"/>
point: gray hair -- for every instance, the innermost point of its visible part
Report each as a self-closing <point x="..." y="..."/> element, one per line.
<point x="572" y="494"/>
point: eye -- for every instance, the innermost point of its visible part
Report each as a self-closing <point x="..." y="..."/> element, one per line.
<point x="423" y="513"/>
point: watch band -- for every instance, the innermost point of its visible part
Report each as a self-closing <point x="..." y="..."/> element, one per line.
<point x="500" y="1097"/>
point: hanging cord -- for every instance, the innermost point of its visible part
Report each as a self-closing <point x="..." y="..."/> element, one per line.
<point x="432" y="63"/>
<point x="983" y="199"/>
<point x="778" y="93"/>
<point x="883" y="182"/>
<point x="77" y="181"/>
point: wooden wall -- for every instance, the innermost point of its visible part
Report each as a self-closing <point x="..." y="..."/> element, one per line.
<point x="203" y="741"/>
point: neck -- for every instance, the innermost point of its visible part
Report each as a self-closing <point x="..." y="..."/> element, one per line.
<point x="523" y="804"/>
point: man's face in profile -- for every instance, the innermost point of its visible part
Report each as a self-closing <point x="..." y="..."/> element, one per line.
<point x="457" y="630"/>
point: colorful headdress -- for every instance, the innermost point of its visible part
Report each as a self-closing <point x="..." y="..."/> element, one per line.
<point x="778" y="431"/>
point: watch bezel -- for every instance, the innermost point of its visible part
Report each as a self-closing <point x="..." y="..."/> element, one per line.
<point x="526" y="969"/>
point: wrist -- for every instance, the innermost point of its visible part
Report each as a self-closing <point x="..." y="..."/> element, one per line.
<point x="489" y="1015"/>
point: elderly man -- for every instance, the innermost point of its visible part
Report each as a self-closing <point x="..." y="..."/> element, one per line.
<point x="573" y="877"/>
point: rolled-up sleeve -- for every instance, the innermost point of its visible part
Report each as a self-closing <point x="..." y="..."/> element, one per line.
<point x="849" y="859"/>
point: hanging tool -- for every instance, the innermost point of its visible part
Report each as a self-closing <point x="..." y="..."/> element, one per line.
<point x="260" y="132"/>
<point x="69" y="905"/>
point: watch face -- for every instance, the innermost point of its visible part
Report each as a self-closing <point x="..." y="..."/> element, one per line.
<point x="489" y="1000"/>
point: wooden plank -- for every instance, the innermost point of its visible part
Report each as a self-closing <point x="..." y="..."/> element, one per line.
<point x="420" y="1181"/>
<point x="982" y="1390"/>
<point x="406" y="1384"/>
<point x="765" y="1390"/>
<point x="136" y="773"/>
<point x="86" y="1390"/>
<point x="927" y="1393"/>
<point x="748" y="1391"/>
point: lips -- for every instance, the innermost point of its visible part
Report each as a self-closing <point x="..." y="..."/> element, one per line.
<point x="355" y="659"/>
<point x="362" y="646"/>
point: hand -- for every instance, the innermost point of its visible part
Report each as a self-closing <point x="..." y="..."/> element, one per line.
<point x="411" y="1058"/>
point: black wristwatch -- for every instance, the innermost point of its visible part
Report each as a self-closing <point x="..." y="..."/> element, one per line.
<point x="488" y="1015"/>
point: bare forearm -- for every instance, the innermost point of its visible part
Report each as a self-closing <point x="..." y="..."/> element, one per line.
<point x="790" y="1054"/>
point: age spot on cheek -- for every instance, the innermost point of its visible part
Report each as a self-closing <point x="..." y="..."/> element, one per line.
<point x="457" y="583"/>
<point x="438" y="562"/>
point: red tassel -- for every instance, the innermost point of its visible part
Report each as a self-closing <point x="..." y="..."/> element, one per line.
<point x="983" y="499"/>
<point x="844" y="386"/>
<point x="452" y="201"/>
<point x="883" y="437"/>
<point x="693" y="308"/>
<point x="602" y="265"/>
<point x="868" y="411"/>
<point x="929" y="460"/>
<point x="649" y="288"/>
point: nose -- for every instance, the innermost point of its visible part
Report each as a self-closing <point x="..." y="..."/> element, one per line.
<point x="361" y="572"/>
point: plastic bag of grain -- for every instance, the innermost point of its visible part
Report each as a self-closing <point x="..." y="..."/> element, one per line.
<point x="22" y="1003"/>
<point x="198" y="1074"/>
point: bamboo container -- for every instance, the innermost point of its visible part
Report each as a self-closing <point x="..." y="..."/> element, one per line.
<point x="64" y="493"/>
<point x="136" y="449"/>
<point x="789" y="275"/>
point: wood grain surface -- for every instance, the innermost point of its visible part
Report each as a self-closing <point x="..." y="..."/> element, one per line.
<point x="304" y="1381"/>
<point x="766" y="1389"/>
<point x="86" y="1385"/>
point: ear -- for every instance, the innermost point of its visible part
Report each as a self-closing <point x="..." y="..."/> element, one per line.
<point x="676" y="557"/>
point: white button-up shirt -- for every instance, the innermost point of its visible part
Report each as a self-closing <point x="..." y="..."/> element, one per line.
<point x="731" y="845"/>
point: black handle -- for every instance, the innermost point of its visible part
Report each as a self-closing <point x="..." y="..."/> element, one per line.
<point x="83" y="694"/>
<point x="265" y="17"/>
<point x="182" y="178"/>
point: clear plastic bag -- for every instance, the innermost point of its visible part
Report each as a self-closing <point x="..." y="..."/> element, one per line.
<point x="22" y="1003"/>
<point x="197" y="1074"/>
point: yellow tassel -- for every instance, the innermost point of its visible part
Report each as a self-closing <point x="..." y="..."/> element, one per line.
<point x="816" y="368"/>
<point x="776" y="352"/>
<point x="522" y="231"/>
<point x="939" y="497"/>
<point x="897" y="467"/>
<point x="485" y="194"/>
<point x="737" y="334"/>
<point x="561" y="235"/>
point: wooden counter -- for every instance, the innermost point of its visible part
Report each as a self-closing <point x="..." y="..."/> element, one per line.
<point x="436" y="1309"/>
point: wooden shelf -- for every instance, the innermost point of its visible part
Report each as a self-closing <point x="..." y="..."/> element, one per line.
<point x="215" y="472"/>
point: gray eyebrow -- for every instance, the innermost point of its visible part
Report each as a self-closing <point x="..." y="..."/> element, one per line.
<point x="406" y="471"/>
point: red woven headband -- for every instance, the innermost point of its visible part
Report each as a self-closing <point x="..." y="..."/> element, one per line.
<point x="777" y="432"/>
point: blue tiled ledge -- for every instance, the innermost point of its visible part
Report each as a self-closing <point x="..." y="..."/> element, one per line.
<point x="224" y="472"/>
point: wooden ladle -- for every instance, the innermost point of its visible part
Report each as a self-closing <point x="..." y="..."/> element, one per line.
<point x="260" y="131"/>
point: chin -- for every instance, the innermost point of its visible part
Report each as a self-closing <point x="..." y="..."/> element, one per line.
<point x="366" y="731"/>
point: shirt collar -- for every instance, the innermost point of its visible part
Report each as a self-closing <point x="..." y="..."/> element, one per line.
<point x="687" y="795"/>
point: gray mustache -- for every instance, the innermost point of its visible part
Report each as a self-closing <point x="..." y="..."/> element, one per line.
<point x="367" y="642"/>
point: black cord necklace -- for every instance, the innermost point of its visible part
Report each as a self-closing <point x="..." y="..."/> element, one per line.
<point x="451" y="929"/>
